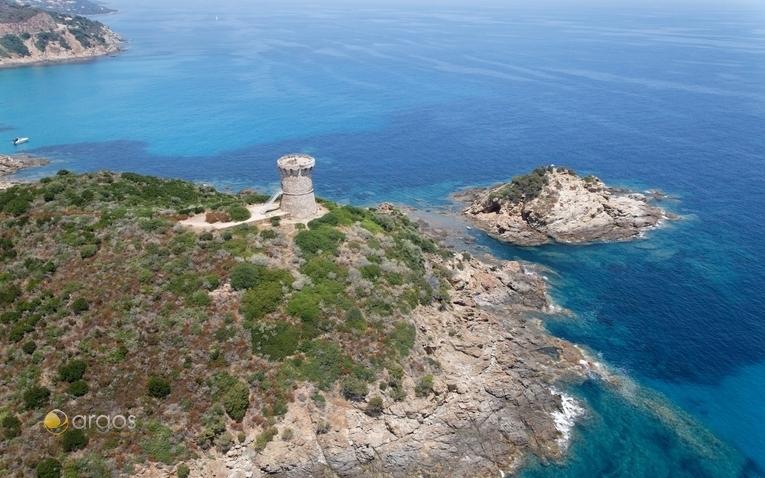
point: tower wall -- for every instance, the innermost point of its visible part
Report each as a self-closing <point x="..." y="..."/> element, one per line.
<point x="297" y="185"/>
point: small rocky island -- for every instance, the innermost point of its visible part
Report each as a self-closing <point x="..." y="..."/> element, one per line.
<point x="555" y="204"/>
<point x="29" y="35"/>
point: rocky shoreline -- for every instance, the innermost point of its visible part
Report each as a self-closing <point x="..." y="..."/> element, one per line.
<point x="495" y="401"/>
<point x="556" y="205"/>
<point x="12" y="164"/>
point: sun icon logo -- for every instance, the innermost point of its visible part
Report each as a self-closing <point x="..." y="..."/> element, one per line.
<point x="56" y="422"/>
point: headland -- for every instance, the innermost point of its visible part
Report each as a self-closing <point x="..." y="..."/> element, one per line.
<point x="348" y="345"/>
<point x="30" y="35"/>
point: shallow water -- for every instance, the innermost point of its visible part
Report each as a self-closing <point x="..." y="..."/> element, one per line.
<point x="408" y="103"/>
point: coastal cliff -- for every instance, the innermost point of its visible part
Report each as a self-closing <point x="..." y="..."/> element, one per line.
<point x="349" y="346"/>
<point x="555" y="204"/>
<point x="29" y="36"/>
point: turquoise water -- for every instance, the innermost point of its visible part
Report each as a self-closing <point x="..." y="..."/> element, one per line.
<point x="410" y="102"/>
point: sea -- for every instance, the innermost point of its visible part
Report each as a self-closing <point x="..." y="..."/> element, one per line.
<point x="410" y="101"/>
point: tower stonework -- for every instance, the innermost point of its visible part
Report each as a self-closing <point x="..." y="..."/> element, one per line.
<point x="297" y="185"/>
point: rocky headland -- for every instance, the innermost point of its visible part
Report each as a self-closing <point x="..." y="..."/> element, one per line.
<point x="10" y="165"/>
<point x="349" y="346"/>
<point x="492" y="403"/>
<point x="555" y="204"/>
<point x="30" y="35"/>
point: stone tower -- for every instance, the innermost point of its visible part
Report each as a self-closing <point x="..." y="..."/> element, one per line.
<point x="297" y="185"/>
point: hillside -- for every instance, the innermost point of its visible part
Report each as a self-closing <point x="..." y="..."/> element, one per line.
<point x="69" y="7"/>
<point x="351" y="345"/>
<point x="555" y="204"/>
<point x="31" y="35"/>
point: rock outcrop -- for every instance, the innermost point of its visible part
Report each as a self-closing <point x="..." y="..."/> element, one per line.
<point x="9" y="165"/>
<point x="555" y="204"/>
<point x="492" y="403"/>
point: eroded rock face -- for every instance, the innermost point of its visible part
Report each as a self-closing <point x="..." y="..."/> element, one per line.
<point x="491" y="401"/>
<point x="568" y="209"/>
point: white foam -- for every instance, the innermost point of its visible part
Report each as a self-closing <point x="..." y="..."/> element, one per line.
<point x="566" y="419"/>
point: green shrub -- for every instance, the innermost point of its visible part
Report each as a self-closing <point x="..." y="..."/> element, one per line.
<point x="48" y="468"/>
<point x="304" y="304"/>
<point x="158" y="387"/>
<point x="321" y="269"/>
<point x="374" y="406"/>
<point x="73" y="439"/>
<point x="324" y="363"/>
<point x="36" y="397"/>
<point x="212" y="281"/>
<point x="354" y="388"/>
<point x="325" y="239"/>
<point x="266" y="296"/>
<point x="88" y="250"/>
<point x="236" y="400"/>
<point x="184" y="284"/>
<point x="385" y="221"/>
<point x="9" y="294"/>
<point x="29" y="347"/>
<point x="277" y="343"/>
<point x="238" y="213"/>
<point x="72" y="370"/>
<point x="523" y="188"/>
<point x="80" y="305"/>
<point x="256" y="198"/>
<point x="78" y="388"/>
<point x="265" y="437"/>
<point x="354" y="319"/>
<point x="145" y="276"/>
<point x="425" y="386"/>
<point x="201" y="298"/>
<point x="370" y="272"/>
<point x="182" y="471"/>
<point x="401" y="338"/>
<point x="244" y="275"/>
<point x="11" y="426"/>
<point x="268" y="234"/>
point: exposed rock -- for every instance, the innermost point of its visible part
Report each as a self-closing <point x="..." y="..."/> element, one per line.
<point x="385" y="208"/>
<point x="565" y="208"/>
<point x="10" y="165"/>
<point x="490" y="406"/>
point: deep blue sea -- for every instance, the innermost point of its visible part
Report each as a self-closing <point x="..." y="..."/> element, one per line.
<point x="407" y="102"/>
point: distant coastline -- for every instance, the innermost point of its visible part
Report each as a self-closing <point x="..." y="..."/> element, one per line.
<point x="31" y="36"/>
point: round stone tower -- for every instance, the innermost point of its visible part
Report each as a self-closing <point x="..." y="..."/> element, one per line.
<point x="297" y="185"/>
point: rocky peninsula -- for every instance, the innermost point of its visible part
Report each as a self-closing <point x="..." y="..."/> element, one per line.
<point x="555" y="204"/>
<point x="29" y="35"/>
<point x="10" y="165"/>
<point x="351" y="345"/>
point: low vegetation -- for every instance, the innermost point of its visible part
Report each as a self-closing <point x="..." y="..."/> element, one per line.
<point x="523" y="188"/>
<point x="106" y="303"/>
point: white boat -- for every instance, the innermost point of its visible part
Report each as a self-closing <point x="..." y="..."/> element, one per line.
<point x="18" y="141"/>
